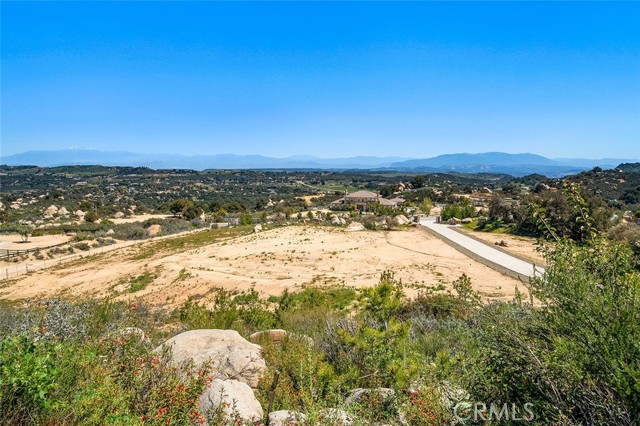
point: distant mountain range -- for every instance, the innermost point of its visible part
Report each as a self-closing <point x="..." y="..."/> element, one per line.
<point x="489" y="162"/>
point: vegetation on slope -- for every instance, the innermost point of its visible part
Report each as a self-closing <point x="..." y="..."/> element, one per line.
<point x="574" y="354"/>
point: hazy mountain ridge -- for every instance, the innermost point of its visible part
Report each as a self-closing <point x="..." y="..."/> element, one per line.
<point x="489" y="162"/>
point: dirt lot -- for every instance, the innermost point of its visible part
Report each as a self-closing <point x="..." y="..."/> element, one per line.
<point x="140" y="218"/>
<point x="14" y="242"/>
<point x="269" y="261"/>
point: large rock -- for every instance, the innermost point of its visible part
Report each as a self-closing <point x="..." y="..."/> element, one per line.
<point x="118" y="215"/>
<point x="153" y="230"/>
<point x="233" y="399"/>
<point x="257" y="228"/>
<point x="63" y="211"/>
<point x="286" y="418"/>
<point x="355" y="226"/>
<point x="359" y="393"/>
<point x="334" y="417"/>
<point x="51" y="210"/>
<point x="401" y="220"/>
<point x="80" y="214"/>
<point x="230" y="354"/>
<point x="276" y="336"/>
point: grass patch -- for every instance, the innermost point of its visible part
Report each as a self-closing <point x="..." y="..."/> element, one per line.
<point x="493" y="226"/>
<point x="170" y="246"/>
<point x="140" y="282"/>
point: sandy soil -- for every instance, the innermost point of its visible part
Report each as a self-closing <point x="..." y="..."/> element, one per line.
<point x="308" y="199"/>
<point x="523" y="247"/>
<point x="270" y="262"/>
<point x="140" y="218"/>
<point x="14" y="242"/>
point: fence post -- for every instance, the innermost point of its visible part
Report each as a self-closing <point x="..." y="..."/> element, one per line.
<point x="272" y="394"/>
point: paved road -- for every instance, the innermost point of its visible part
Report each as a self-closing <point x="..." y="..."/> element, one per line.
<point x="483" y="250"/>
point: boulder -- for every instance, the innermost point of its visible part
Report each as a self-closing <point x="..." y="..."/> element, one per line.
<point x="257" y="228"/>
<point x="286" y="418"/>
<point x="80" y="214"/>
<point x="466" y="220"/>
<point x="335" y="220"/>
<point x="51" y="210"/>
<point x="233" y="398"/>
<point x="357" y="394"/>
<point x="230" y="354"/>
<point x="401" y="220"/>
<point x="355" y="226"/>
<point x="277" y="335"/>
<point x="153" y="230"/>
<point x="454" y="221"/>
<point x="118" y="215"/>
<point x="334" y="416"/>
<point x="110" y="232"/>
<point x="63" y="211"/>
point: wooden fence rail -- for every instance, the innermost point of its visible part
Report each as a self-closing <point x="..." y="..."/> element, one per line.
<point x="6" y="254"/>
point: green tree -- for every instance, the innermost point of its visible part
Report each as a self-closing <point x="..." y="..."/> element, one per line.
<point x="246" y="219"/>
<point x="426" y="205"/>
<point x="91" y="216"/>
<point x="25" y="233"/>
<point x="418" y="182"/>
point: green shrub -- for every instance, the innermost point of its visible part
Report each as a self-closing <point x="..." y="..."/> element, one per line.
<point x="58" y="371"/>
<point x="245" y="313"/>
<point x="577" y="356"/>
<point x="82" y="246"/>
<point x="424" y="407"/>
<point x="141" y="282"/>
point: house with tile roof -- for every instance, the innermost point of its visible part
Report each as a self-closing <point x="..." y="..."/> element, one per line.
<point x="363" y="199"/>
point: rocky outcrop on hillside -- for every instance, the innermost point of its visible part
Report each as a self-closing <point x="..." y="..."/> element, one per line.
<point x="231" y="355"/>
<point x="237" y="365"/>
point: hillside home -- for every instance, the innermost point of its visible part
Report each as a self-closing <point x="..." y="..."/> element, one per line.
<point x="362" y="199"/>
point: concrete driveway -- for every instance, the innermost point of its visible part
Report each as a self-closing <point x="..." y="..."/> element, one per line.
<point x="494" y="258"/>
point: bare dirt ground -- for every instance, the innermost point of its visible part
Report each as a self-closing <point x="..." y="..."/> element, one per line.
<point x="308" y="199"/>
<point x="140" y="218"/>
<point x="14" y="242"/>
<point x="523" y="247"/>
<point x="271" y="261"/>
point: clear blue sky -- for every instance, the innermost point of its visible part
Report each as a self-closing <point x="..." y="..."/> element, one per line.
<point x="328" y="79"/>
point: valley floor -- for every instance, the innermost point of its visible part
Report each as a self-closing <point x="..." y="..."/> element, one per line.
<point x="168" y="272"/>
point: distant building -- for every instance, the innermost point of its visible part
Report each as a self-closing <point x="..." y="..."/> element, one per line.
<point x="362" y="199"/>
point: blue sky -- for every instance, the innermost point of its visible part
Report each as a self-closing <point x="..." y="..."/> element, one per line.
<point x="327" y="79"/>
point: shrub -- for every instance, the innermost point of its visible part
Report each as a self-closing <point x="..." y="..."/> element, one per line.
<point x="82" y="246"/>
<point x="245" y="313"/>
<point x="577" y="356"/>
<point x="424" y="407"/>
